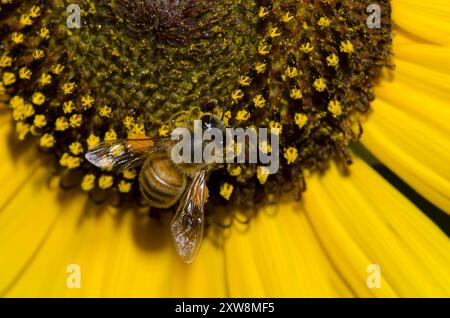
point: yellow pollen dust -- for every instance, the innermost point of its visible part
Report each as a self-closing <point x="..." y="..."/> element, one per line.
<point x="320" y="85"/>
<point x="263" y="48"/>
<point x="226" y="190"/>
<point x="61" y="124"/>
<point x="44" y="33"/>
<point x="76" y="120"/>
<point x="110" y="135"/>
<point x="137" y="129"/>
<point x="38" y="54"/>
<point x="242" y="115"/>
<point x="300" y="120"/>
<point x="38" y="98"/>
<point x="87" y="101"/>
<point x="296" y="93"/>
<point x="259" y="101"/>
<point x="245" y="81"/>
<point x="92" y="140"/>
<point x="265" y="147"/>
<point x="9" y="78"/>
<point x="35" y="11"/>
<point x="68" y="107"/>
<point x="128" y="121"/>
<point x="25" y="20"/>
<point x="292" y="72"/>
<point x="105" y="111"/>
<point x="69" y="161"/>
<point x="129" y="174"/>
<point x="46" y="79"/>
<point x="287" y="17"/>
<point x="262" y="173"/>
<point x="347" y="47"/>
<point x="164" y="131"/>
<point x="333" y="60"/>
<point x="76" y="148"/>
<point x="25" y="73"/>
<point x="276" y="127"/>
<point x="57" y="69"/>
<point x="237" y="95"/>
<point x="324" y="22"/>
<point x="105" y="182"/>
<point x="5" y="60"/>
<point x="234" y="170"/>
<point x="260" y="67"/>
<point x="306" y="48"/>
<point x="263" y="11"/>
<point x="335" y="108"/>
<point x="88" y="182"/>
<point x="68" y="88"/>
<point x="47" y="141"/>
<point x="17" y="37"/>
<point x="40" y="121"/>
<point x="124" y="187"/>
<point x="274" y="32"/>
<point x="22" y="130"/>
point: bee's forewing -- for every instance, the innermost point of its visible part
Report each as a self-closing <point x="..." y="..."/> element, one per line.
<point x="187" y="225"/>
<point x="122" y="154"/>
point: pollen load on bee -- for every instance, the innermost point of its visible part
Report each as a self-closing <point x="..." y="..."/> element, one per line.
<point x="226" y="145"/>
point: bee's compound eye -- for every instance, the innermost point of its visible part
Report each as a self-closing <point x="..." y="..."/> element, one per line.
<point x="211" y="121"/>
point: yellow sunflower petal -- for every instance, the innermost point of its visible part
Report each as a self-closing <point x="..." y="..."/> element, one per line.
<point x="415" y="150"/>
<point x="429" y="20"/>
<point x="43" y="231"/>
<point x="431" y="56"/>
<point x="428" y="108"/>
<point x="118" y="256"/>
<point x="279" y="255"/>
<point x="423" y="79"/>
<point x="362" y="220"/>
<point x="13" y="172"/>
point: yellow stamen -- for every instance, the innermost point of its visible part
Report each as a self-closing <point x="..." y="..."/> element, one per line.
<point x="129" y="174"/>
<point x="61" y="124"/>
<point x="88" y="182"/>
<point x="291" y="154"/>
<point x="242" y="115"/>
<point x="124" y="187"/>
<point x="38" y="98"/>
<point x="47" y="141"/>
<point x="335" y="108"/>
<point x="262" y="173"/>
<point x="92" y="140"/>
<point x="333" y="60"/>
<point x="320" y="85"/>
<point x="259" y="101"/>
<point x="25" y="73"/>
<point x="300" y="120"/>
<point x="9" y="78"/>
<point x="105" y="182"/>
<point x="226" y="190"/>
<point x="76" y="148"/>
<point x="40" y="121"/>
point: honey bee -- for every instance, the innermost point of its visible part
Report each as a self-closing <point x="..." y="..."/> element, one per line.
<point x="163" y="183"/>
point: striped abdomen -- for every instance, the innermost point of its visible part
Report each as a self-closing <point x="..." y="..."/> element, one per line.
<point x="160" y="183"/>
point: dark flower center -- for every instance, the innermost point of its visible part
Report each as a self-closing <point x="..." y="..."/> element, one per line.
<point x="146" y="67"/>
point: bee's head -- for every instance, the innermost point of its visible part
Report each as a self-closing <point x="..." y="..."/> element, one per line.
<point x="211" y="121"/>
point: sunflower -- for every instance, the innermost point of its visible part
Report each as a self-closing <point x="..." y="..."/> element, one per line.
<point x="346" y="228"/>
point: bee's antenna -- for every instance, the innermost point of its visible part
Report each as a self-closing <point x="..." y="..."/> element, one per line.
<point x="224" y="110"/>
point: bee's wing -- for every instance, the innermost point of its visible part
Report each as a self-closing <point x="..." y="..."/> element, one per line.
<point x="122" y="154"/>
<point x="187" y="225"/>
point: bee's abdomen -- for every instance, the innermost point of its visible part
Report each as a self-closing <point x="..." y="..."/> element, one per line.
<point x="160" y="183"/>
